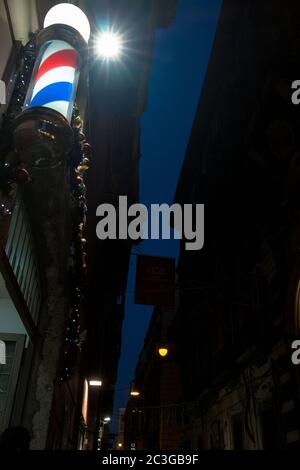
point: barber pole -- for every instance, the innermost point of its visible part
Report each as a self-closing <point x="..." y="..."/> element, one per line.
<point x="56" y="80"/>
<point x="42" y="132"/>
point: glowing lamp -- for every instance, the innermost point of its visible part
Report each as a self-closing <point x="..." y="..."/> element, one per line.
<point x="108" y="45"/>
<point x="70" y="15"/>
<point x="95" y="383"/>
<point x="163" y="352"/>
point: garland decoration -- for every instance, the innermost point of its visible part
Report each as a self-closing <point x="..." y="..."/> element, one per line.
<point x="80" y="158"/>
<point x="12" y="173"/>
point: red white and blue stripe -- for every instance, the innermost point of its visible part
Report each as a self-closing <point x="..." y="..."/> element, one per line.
<point x="56" y="78"/>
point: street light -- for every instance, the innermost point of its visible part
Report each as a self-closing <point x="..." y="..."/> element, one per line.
<point x="107" y="419"/>
<point x="108" y="45"/>
<point x="163" y="352"/>
<point x="133" y="391"/>
<point x="95" y="383"/>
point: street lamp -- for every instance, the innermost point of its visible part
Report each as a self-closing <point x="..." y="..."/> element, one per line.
<point x="42" y="132"/>
<point x="133" y="391"/>
<point x="163" y="351"/>
<point x="108" y="45"/>
<point x="95" y="383"/>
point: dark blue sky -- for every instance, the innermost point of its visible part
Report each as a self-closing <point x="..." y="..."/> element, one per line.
<point x="180" y="59"/>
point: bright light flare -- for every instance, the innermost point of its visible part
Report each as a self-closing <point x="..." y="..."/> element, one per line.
<point x="109" y="45"/>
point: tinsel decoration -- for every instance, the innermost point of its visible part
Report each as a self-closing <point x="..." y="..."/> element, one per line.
<point x="80" y="158"/>
<point x="11" y="172"/>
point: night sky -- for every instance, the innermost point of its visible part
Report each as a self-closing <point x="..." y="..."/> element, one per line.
<point x="180" y="59"/>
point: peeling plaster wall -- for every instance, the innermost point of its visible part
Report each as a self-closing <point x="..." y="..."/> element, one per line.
<point x="47" y="199"/>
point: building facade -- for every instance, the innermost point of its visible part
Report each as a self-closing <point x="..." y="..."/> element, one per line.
<point x="239" y="296"/>
<point x="41" y="260"/>
<point x="239" y="307"/>
<point x="153" y="418"/>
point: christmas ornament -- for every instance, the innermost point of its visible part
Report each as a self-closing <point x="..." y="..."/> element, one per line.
<point x="20" y="175"/>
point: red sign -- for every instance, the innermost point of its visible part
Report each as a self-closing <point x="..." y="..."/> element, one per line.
<point x="155" y="281"/>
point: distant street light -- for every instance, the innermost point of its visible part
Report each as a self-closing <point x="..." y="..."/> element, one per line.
<point x="108" y="45"/>
<point x="163" y="352"/>
<point x="107" y="419"/>
<point x="133" y="391"/>
<point x="95" y="383"/>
